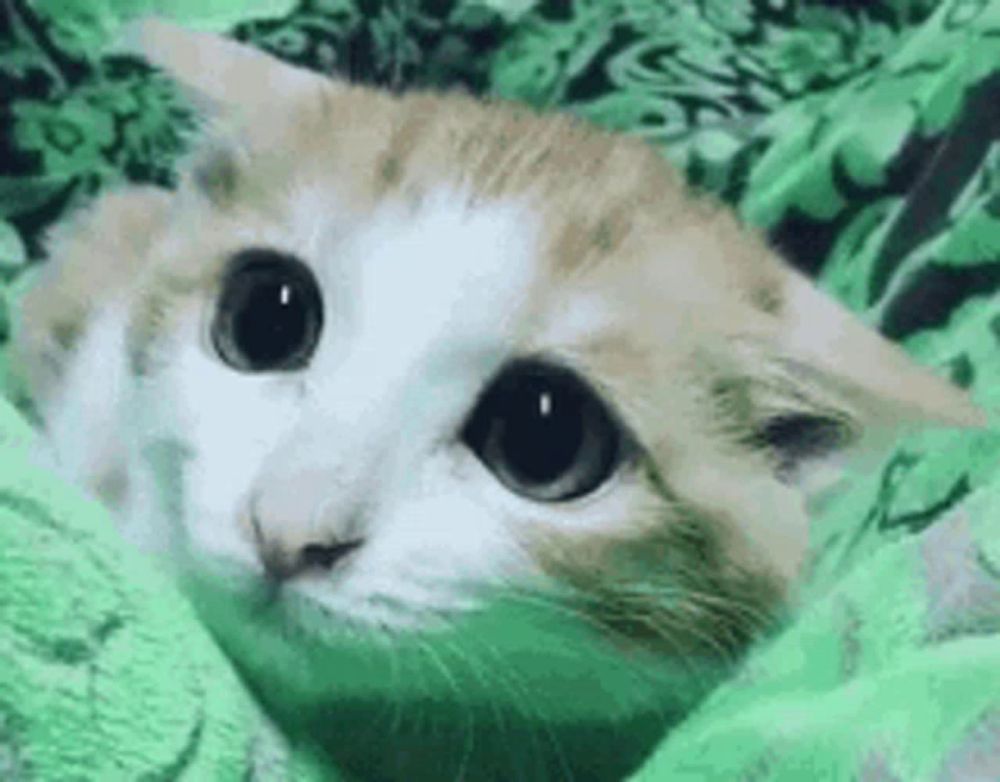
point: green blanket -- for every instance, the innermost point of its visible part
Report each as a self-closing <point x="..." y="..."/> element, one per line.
<point x="860" y="135"/>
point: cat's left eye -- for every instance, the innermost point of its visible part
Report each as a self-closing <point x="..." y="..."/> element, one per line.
<point x="544" y="433"/>
<point x="269" y="313"/>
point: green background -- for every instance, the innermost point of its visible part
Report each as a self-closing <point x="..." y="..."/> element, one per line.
<point x="862" y="136"/>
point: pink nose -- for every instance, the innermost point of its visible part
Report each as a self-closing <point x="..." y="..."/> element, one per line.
<point x="284" y="559"/>
<point x="309" y="507"/>
<point x="283" y="565"/>
<point x="298" y="527"/>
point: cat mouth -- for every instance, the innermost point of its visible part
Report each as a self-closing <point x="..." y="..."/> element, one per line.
<point x="329" y="594"/>
<point x="317" y="597"/>
<point x="373" y="618"/>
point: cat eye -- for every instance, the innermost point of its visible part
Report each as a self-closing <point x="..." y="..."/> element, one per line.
<point x="544" y="433"/>
<point x="269" y="313"/>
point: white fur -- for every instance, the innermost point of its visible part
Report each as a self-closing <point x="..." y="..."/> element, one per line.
<point x="583" y="315"/>
<point x="81" y="419"/>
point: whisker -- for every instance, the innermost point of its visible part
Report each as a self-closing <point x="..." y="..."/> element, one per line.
<point x="536" y="720"/>
<point x="469" y="660"/>
<point x="534" y="599"/>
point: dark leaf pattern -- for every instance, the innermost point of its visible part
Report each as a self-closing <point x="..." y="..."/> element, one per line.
<point x="863" y="136"/>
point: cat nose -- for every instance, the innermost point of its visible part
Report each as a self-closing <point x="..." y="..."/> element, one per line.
<point x="306" y="516"/>
<point x="292" y="541"/>
<point x="283" y="562"/>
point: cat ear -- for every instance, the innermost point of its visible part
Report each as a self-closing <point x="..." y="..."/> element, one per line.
<point x="247" y="97"/>
<point x="223" y="76"/>
<point x="825" y="387"/>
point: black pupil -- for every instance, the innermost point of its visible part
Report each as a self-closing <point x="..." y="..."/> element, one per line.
<point x="270" y="323"/>
<point x="542" y="430"/>
<point x="269" y="314"/>
<point x="544" y="433"/>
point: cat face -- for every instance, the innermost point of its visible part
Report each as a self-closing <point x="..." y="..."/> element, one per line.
<point x="396" y="356"/>
<point x="431" y="319"/>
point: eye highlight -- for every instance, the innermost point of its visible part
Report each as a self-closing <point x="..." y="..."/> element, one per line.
<point x="269" y="313"/>
<point x="544" y="433"/>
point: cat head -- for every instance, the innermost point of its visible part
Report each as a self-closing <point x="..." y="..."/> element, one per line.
<point x="397" y="354"/>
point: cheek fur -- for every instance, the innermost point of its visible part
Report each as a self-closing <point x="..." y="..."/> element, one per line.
<point x="434" y="545"/>
<point x="228" y="423"/>
<point x="665" y="580"/>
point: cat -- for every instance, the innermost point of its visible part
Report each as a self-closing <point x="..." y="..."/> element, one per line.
<point x="481" y="444"/>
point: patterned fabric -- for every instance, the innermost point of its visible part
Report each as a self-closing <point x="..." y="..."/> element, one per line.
<point x="862" y="135"/>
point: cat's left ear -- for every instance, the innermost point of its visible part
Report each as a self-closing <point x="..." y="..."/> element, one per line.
<point x="825" y="387"/>
<point x="224" y="77"/>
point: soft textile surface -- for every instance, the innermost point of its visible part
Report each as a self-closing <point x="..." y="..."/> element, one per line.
<point x="106" y="674"/>
<point x="861" y="135"/>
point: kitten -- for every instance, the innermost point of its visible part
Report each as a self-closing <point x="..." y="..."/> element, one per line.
<point x="457" y="422"/>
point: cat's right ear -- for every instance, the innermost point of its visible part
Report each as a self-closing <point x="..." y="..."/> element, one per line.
<point x="824" y="390"/>
<point x="246" y="97"/>
<point x="226" y="79"/>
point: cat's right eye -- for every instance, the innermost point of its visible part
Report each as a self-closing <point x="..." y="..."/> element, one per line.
<point x="269" y="313"/>
<point x="544" y="433"/>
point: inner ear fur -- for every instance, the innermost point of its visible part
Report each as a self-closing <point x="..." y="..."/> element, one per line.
<point x="819" y="386"/>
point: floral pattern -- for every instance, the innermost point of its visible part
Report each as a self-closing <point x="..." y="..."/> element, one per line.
<point x="862" y="136"/>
